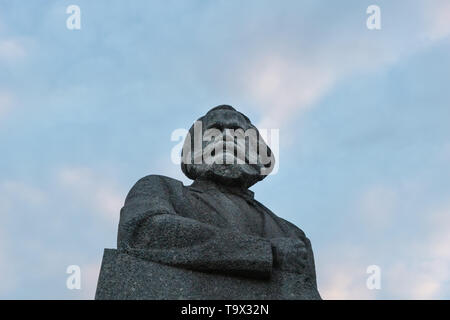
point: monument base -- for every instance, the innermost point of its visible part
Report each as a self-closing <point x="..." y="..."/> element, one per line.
<point x="123" y="276"/>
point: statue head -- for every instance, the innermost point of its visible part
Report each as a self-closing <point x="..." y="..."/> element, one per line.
<point x="224" y="146"/>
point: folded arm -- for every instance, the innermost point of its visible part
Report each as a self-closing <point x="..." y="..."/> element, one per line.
<point x="151" y="229"/>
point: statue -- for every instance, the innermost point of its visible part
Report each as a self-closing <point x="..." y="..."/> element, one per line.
<point x="212" y="239"/>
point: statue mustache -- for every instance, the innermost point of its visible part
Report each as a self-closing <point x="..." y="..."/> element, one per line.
<point x="220" y="151"/>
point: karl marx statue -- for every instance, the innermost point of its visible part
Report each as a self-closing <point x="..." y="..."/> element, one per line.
<point x="212" y="239"/>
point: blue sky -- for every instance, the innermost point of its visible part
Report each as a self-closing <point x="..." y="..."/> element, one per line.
<point x="364" y="159"/>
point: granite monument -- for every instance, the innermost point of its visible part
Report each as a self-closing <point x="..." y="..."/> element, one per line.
<point x="211" y="239"/>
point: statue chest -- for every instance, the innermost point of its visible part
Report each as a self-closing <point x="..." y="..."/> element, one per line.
<point x="225" y="210"/>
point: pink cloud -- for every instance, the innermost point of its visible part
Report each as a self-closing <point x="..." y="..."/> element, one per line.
<point x="99" y="193"/>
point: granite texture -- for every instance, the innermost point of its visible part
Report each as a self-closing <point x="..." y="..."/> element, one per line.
<point x="209" y="240"/>
<point x="125" y="277"/>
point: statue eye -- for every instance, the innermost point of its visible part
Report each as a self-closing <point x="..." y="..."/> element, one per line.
<point x="217" y="126"/>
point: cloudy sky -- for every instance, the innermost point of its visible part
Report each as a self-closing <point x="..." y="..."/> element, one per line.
<point x="364" y="157"/>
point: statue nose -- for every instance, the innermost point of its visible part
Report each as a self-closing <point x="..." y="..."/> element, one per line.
<point x="229" y="135"/>
<point x="228" y="132"/>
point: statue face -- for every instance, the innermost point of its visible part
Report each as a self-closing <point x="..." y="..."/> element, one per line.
<point x="225" y="147"/>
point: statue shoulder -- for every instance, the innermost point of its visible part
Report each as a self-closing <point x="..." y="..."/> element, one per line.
<point x="288" y="227"/>
<point x="293" y="228"/>
<point x="154" y="185"/>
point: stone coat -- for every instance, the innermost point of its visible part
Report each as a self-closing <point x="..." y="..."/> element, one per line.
<point x="212" y="228"/>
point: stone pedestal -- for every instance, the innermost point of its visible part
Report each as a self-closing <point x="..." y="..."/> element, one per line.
<point x="123" y="276"/>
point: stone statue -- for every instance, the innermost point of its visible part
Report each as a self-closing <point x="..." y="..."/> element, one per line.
<point x="212" y="239"/>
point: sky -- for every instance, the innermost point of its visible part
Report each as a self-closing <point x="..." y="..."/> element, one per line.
<point x="363" y="118"/>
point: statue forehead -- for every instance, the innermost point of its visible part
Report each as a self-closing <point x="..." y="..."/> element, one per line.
<point x="226" y="118"/>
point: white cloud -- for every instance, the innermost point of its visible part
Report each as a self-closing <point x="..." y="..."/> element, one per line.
<point x="437" y="19"/>
<point x="11" y="50"/>
<point x="377" y="206"/>
<point x="416" y="278"/>
<point x="285" y="82"/>
<point x="21" y="191"/>
<point x="444" y="155"/>
<point x="20" y="201"/>
<point x="343" y="285"/>
<point x="342" y="274"/>
<point x="439" y="242"/>
<point x="415" y="263"/>
<point x="89" y="278"/>
<point x="419" y="268"/>
<point x="426" y="275"/>
<point x="282" y="87"/>
<point x="17" y="195"/>
<point x="99" y="193"/>
<point x="14" y="195"/>
<point x="8" y="277"/>
<point x="6" y="102"/>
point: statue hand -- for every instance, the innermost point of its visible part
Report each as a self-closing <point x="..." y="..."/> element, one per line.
<point x="289" y="254"/>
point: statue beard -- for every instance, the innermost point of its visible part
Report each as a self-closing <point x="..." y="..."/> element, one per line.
<point x="242" y="175"/>
<point x="229" y="172"/>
